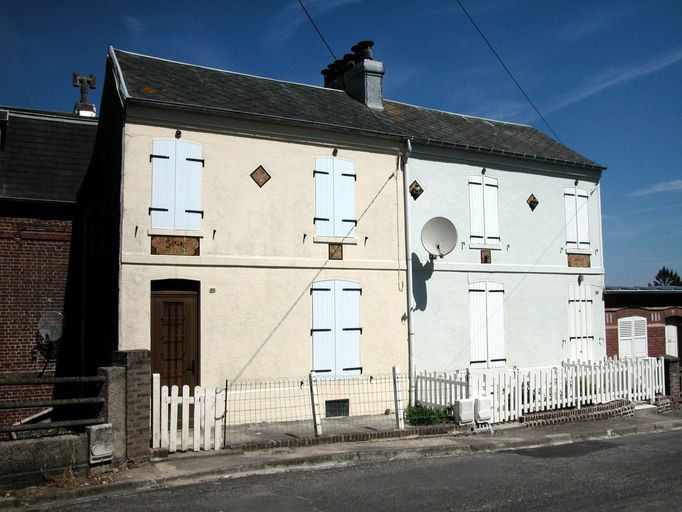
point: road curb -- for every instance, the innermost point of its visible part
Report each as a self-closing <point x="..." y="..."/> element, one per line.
<point x="449" y="447"/>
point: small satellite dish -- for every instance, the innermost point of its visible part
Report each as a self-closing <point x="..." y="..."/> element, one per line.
<point x="50" y="325"/>
<point x="439" y="237"/>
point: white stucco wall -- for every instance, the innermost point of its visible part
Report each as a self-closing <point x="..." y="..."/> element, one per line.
<point x="530" y="262"/>
<point x="259" y="253"/>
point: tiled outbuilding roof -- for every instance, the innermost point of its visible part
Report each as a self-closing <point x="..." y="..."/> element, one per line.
<point x="45" y="155"/>
<point x="149" y="79"/>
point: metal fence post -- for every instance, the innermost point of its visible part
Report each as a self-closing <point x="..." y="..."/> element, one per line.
<point x="398" y="398"/>
<point x="315" y="404"/>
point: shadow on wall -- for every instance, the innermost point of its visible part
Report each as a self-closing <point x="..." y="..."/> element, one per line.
<point x="420" y="274"/>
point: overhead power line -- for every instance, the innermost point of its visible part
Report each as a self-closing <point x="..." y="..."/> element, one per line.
<point x="508" y="71"/>
<point x="317" y="29"/>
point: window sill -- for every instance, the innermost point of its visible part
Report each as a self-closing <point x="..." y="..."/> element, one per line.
<point x="335" y="240"/>
<point x="578" y="251"/>
<point x="175" y="232"/>
<point x="492" y="247"/>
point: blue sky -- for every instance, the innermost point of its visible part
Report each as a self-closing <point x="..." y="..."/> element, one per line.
<point x="607" y="75"/>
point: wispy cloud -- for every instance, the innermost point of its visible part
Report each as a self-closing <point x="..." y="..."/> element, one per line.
<point x="612" y="77"/>
<point x="656" y="188"/>
<point x="135" y="26"/>
<point x="594" y="23"/>
<point x="286" y="22"/>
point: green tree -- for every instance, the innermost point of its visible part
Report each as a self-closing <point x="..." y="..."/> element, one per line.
<point x="667" y="277"/>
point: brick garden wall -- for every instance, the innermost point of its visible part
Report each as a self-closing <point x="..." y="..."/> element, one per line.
<point x="33" y="279"/>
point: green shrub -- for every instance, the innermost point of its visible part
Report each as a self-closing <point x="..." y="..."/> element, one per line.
<point x="421" y="415"/>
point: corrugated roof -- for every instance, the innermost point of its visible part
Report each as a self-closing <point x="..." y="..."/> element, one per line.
<point x="162" y="81"/>
<point x="46" y="155"/>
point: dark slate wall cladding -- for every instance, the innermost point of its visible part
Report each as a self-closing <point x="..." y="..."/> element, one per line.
<point x="45" y="156"/>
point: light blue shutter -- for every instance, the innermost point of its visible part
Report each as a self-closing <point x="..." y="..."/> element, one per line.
<point x="495" y="313"/>
<point x="323" y="327"/>
<point x="324" y="196"/>
<point x="344" y="198"/>
<point x="478" y="330"/>
<point x="476" y="214"/>
<point x="163" y="184"/>
<point x="188" y="173"/>
<point x="582" y="219"/>
<point x="348" y="328"/>
<point x="571" y="218"/>
<point x="490" y="211"/>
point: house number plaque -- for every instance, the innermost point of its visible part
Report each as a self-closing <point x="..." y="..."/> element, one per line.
<point x="579" y="260"/>
<point x="175" y="245"/>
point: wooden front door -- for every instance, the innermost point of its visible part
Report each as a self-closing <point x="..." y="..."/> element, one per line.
<point x="175" y="337"/>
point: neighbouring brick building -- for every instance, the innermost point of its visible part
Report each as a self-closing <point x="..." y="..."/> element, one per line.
<point x="43" y="159"/>
<point x="643" y="321"/>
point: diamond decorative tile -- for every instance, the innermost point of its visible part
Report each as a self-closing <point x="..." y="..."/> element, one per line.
<point x="416" y="190"/>
<point x="532" y="202"/>
<point x="260" y="176"/>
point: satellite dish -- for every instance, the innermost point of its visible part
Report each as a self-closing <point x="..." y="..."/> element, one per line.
<point x="50" y="325"/>
<point x="439" y="237"/>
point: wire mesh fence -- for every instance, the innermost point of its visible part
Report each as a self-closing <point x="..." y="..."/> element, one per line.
<point x="257" y="411"/>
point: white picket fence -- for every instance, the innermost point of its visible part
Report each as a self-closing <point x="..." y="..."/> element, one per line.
<point x="525" y="390"/>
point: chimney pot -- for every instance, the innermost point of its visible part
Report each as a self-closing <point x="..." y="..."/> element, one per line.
<point x="363" y="49"/>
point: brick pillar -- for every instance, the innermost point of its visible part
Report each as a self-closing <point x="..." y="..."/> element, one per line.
<point x="138" y="399"/>
<point x="672" y="380"/>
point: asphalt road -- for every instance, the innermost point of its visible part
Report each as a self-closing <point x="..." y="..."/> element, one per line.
<point x="631" y="473"/>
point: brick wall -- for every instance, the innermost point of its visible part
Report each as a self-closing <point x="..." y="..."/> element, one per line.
<point x="655" y="323"/>
<point x="138" y="399"/>
<point x="33" y="279"/>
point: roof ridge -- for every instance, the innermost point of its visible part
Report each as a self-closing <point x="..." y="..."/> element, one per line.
<point x="227" y="71"/>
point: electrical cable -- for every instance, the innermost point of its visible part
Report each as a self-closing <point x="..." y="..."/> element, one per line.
<point x="509" y="72"/>
<point x="317" y="29"/>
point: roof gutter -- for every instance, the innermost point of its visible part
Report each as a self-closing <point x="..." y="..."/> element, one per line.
<point x="386" y="135"/>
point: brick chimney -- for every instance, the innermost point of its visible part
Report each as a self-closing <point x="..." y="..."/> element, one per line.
<point x="359" y="75"/>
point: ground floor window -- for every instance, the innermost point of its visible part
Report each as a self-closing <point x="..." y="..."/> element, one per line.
<point x="632" y="337"/>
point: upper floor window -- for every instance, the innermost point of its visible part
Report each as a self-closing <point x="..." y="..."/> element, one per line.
<point x="334" y="197"/>
<point x="577" y="222"/>
<point x="483" y="211"/>
<point x="176" y="185"/>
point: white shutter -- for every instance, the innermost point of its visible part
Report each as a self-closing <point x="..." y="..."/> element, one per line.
<point x="348" y="328"/>
<point x="163" y="184"/>
<point x="671" y="336"/>
<point x="188" y="213"/>
<point x="344" y="198"/>
<point x="495" y="315"/>
<point x="580" y="311"/>
<point x="632" y="336"/>
<point x="582" y="219"/>
<point x="323" y="327"/>
<point x="324" y="197"/>
<point x="571" y="220"/>
<point x="491" y="214"/>
<point x="476" y="213"/>
<point x="478" y="330"/>
<point x="639" y="339"/>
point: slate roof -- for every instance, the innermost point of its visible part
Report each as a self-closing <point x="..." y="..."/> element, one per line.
<point x="153" y="80"/>
<point x="46" y="155"/>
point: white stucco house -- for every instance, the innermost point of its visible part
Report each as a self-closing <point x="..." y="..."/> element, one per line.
<point x="243" y="227"/>
<point x="523" y="285"/>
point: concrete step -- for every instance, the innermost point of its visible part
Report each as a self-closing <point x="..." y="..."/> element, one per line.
<point x="645" y="410"/>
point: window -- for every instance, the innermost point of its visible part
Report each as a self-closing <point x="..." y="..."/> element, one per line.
<point x="632" y="339"/>
<point x="336" y="328"/>
<point x="486" y="325"/>
<point x="577" y="224"/>
<point x="334" y="197"/>
<point x="176" y="185"/>
<point x="483" y="210"/>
